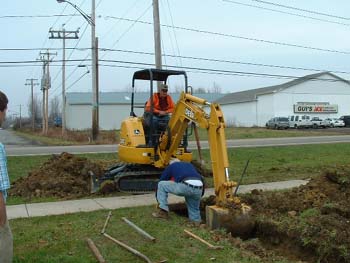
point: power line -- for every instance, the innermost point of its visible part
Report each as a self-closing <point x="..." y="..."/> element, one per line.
<point x="215" y="70"/>
<point x="284" y="12"/>
<point x="36" y="16"/>
<point x="71" y="53"/>
<point x="302" y="10"/>
<point x="238" y="37"/>
<point x="128" y="10"/>
<point x="202" y="70"/>
<point x="172" y="23"/>
<point x="227" y="61"/>
<point x="201" y="59"/>
<point x="129" y="28"/>
<point x="227" y="35"/>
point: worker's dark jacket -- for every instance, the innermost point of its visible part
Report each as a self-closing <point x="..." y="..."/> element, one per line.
<point x="179" y="172"/>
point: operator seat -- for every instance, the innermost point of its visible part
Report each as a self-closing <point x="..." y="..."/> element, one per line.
<point x="156" y="127"/>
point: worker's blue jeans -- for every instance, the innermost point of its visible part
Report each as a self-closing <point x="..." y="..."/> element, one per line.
<point x="192" y="197"/>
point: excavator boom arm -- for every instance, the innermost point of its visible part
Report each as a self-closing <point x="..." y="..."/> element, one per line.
<point x="190" y="109"/>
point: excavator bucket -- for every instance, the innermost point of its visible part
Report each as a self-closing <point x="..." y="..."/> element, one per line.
<point x="238" y="221"/>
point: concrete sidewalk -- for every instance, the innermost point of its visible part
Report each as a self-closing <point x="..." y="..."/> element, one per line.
<point x="86" y="205"/>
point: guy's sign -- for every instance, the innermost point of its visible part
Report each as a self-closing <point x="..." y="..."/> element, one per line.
<point x="315" y="108"/>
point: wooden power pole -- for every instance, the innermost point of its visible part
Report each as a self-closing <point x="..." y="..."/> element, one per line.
<point x="63" y="34"/>
<point x="30" y="82"/>
<point x="45" y="85"/>
<point x="157" y="38"/>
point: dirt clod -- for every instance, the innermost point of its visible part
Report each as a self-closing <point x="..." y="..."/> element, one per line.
<point x="309" y="223"/>
<point x="63" y="176"/>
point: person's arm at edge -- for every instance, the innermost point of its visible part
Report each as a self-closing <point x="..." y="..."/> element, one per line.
<point x="3" y="215"/>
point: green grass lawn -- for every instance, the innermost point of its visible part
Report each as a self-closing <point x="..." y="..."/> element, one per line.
<point x="267" y="164"/>
<point x="61" y="239"/>
<point x="230" y="132"/>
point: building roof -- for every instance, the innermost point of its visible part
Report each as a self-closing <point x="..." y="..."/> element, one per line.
<point x="122" y="98"/>
<point x="251" y="95"/>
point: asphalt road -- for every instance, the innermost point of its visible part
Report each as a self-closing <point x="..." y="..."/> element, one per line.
<point x="25" y="149"/>
<point x="9" y="138"/>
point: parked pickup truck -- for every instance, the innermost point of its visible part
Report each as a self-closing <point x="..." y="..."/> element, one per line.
<point x="319" y="123"/>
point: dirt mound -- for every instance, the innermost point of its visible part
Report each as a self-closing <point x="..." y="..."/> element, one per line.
<point x="311" y="222"/>
<point x="64" y="176"/>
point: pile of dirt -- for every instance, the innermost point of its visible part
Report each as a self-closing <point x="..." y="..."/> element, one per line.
<point x="311" y="222"/>
<point x="63" y="176"/>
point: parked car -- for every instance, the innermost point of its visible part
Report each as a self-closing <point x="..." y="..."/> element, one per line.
<point x="334" y="122"/>
<point x="319" y="123"/>
<point x="346" y="120"/>
<point x="300" y="121"/>
<point x="278" y="123"/>
<point x="57" y="122"/>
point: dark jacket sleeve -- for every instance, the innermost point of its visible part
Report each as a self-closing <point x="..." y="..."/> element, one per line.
<point x="166" y="174"/>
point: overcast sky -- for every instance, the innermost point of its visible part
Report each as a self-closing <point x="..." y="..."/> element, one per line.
<point x="244" y="31"/>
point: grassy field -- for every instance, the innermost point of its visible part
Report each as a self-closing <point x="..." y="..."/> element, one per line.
<point x="267" y="164"/>
<point x="62" y="238"/>
<point x="111" y="137"/>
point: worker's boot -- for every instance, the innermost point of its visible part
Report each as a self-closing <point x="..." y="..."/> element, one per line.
<point x="160" y="213"/>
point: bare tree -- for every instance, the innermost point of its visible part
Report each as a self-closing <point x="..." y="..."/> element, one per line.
<point x="178" y="89"/>
<point x="199" y="90"/>
<point x="215" y="89"/>
<point x="37" y="108"/>
<point x="55" y="108"/>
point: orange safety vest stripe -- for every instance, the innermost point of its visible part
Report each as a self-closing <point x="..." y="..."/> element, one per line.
<point x="156" y="107"/>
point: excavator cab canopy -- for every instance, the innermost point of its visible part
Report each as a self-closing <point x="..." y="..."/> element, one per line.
<point x="157" y="75"/>
<point x="152" y="75"/>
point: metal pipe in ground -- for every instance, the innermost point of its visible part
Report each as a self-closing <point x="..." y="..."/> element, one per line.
<point x="138" y="229"/>
<point x="130" y="249"/>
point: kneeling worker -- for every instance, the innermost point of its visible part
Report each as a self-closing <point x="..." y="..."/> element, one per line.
<point x="182" y="179"/>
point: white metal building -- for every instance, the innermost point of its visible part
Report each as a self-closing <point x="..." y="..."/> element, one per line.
<point x="322" y="94"/>
<point x="114" y="107"/>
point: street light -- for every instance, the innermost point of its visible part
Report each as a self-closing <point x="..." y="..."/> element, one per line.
<point x="87" y="17"/>
<point x="94" y="41"/>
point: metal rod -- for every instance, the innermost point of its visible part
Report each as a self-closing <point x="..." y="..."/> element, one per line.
<point x="106" y="222"/>
<point x="240" y="180"/>
<point x="202" y="240"/>
<point x="198" y="143"/>
<point x="138" y="229"/>
<point x="132" y="250"/>
<point x="95" y="251"/>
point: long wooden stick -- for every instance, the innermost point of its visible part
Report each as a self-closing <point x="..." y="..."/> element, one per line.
<point x="106" y="222"/>
<point x="138" y="229"/>
<point x="202" y="240"/>
<point x="132" y="250"/>
<point x="95" y="251"/>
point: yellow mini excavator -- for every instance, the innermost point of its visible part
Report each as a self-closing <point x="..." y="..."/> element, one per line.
<point x="142" y="160"/>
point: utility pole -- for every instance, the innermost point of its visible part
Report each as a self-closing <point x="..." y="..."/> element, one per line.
<point x="63" y="34"/>
<point x="97" y="91"/>
<point x="43" y="88"/>
<point x="95" y="102"/>
<point x="46" y="84"/>
<point x="157" y="43"/>
<point x="91" y="21"/>
<point x="32" y="84"/>
<point x="20" y="116"/>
